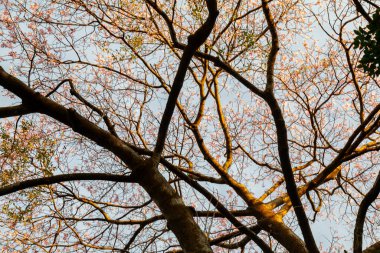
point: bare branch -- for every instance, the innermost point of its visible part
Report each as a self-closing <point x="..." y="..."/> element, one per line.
<point x="364" y="205"/>
<point x="194" y="42"/>
<point x="64" y="178"/>
<point x="12" y="111"/>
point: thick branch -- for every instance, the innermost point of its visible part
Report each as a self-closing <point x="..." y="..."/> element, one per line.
<point x="178" y="216"/>
<point x="282" y="136"/>
<point x="374" y="248"/>
<point x="12" y="111"/>
<point x="267" y="220"/>
<point x="291" y="186"/>
<point x="364" y="205"/>
<point x="361" y="10"/>
<point x="194" y="42"/>
<point x="274" y="46"/>
<point x="35" y="102"/>
<point x="219" y="206"/>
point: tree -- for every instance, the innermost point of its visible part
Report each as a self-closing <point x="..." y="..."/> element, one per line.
<point x="194" y="126"/>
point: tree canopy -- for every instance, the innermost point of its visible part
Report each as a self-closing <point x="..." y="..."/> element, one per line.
<point x="189" y="126"/>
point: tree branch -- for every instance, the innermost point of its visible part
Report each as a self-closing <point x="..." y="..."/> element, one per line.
<point x="11" y="111"/>
<point x="361" y="10"/>
<point x="219" y="206"/>
<point x="63" y="178"/>
<point x="35" y="102"/>
<point x="282" y="136"/>
<point x="364" y="205"/>
<point x="374" y="248"/>
<point x="194" y="42"/>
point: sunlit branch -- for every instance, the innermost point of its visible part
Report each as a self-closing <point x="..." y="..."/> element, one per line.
<point x="281" y="131"/>
<point x="152" y="181"/>
<point x="220" y="208"/>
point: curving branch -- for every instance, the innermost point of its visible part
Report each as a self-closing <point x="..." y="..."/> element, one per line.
<point x="64" y="178"/>
<point x="274" y="46"/>
<point x="194" y="42"/>
<point x="217" y="62"/>
<point x="282" y="136"/>
<point x="36" y="102"/>
<point x="364" y="205"/>
<point x="107" y="121"/>
<point x="188" y="233"/>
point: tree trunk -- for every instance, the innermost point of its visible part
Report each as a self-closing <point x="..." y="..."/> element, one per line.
<point x="179" y="217"/>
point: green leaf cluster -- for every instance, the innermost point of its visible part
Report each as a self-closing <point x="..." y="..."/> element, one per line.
<point x="25" y="154"/>
<point x="368" y="40"/>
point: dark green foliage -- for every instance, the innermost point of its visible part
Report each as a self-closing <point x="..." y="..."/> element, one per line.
<point x="368" y="39"/>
